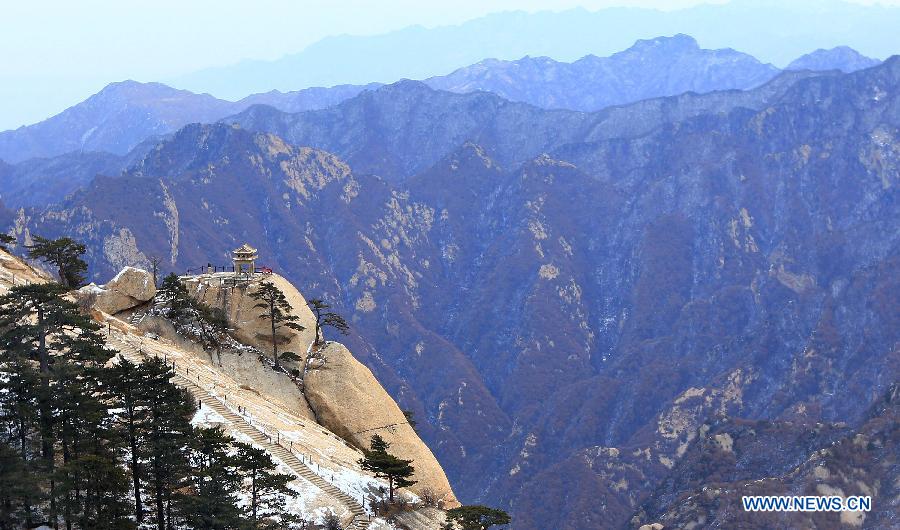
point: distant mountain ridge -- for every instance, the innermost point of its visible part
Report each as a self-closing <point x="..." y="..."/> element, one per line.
<point x="774" y="32"/>
<point x="663" y="66"/>
<point x="114" y="120"/>
<point x="843" y="58"/>
<point x="126" y="113"/>
<point x="406" y="127"/>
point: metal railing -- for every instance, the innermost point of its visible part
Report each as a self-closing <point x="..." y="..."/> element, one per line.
<point x="209" y="268"/>
<point x="13" y="279"/>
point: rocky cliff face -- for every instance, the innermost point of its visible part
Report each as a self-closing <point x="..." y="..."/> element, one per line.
<point x="734" y="458"/>
<point x="340" y="393"/>
<point x="237" y="392"/>
<point x="566" y="323"/>
<point x="348" y="400"/>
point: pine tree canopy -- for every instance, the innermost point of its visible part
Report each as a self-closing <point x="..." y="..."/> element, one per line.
<point x="64" y="253"/>
<point x="278" y="311"/>
<point x="476" y="517"/>
<point x="385" y="465"/>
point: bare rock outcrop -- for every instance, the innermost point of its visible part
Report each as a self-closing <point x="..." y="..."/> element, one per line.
<point x="343" y="395"/>
<point x="349" y="401"/>
<point x="130" y="288"/>
<point x="249" y="328"/>
<point x="134" y="283"/>
<point x="14" y="271"/>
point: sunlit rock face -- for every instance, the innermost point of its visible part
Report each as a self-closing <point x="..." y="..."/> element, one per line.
<point x="348" y="400"/>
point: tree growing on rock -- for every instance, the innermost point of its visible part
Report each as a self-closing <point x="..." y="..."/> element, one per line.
<point x="173" y="297"/>
<point x="396" y="470"/>
<point x="278" y="312"/>
<point x="209" y="325"/>
<point x="475" y="517"/>
<point x="65" y="254"/>
<point x="155" y="261"/>
<point x="326" y="318"/>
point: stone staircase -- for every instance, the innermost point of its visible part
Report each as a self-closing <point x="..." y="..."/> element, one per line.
<point x="359" y="521"/>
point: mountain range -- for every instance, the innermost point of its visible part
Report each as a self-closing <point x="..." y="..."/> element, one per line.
<point x="596" y="315"/>
<point x="124" y="114"/>
<point x="774" y="32"/>
<point x="650" y="68"/>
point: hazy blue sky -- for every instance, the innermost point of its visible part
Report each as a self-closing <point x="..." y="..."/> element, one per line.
<point x="55" y="53"/>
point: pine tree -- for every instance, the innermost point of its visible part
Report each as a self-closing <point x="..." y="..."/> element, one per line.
<point x="18" y="405"/>
<point x="214" y="483"/>
<point x="475" y="518"/>
<point x="100" y="484"/>
<point x="20" y="477"/>
<point x="127" y="391"/>
<point x="92" y="485"/>
<point x="40" y="326"/>
<point x="192" y="317"/>
<point x="385" y="465"/>
<point x="174" y="297"/>
<point x="19" y="490"/>
<point x="410" y="418"/>
<point x="325" y="318"/>
<point x="267" y="488"/>
<point x="168" y="435"/>
<point x="277" y="311"/>
<point x="331" y="522"/>
<point x="155" y="262"/>
<point x="64" y="253"/>
<point x="211" y="325"/>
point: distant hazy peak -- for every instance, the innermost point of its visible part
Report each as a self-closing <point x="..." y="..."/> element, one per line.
<point x="137" y="89"/>
<point x="843" y="58"/>
<point x="676" y="43"/>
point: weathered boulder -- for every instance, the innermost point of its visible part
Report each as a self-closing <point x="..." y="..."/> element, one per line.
<point x="349" y="401"/>
<point x="135" y="283"/>
<point x="106" y="300"/>
<point x="130" y="288"/>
